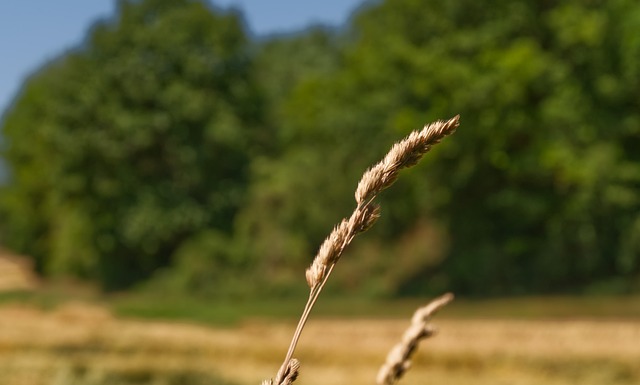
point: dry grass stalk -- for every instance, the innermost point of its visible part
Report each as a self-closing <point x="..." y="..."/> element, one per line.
<point x="399" y="357"/>
<point x="403" y="154"/>
<point x="290" y="375"/>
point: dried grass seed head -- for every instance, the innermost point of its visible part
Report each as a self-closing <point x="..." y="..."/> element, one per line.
<point x="293" y="370"/>
<point x="329" y="253"/>
<point x="405" y="153"/>
<point x="371" y="182"/>
<point x="365" y="217"/>
<point x="315" y="273"/>
<point x="424" y="314"/>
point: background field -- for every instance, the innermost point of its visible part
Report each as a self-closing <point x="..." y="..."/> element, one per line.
<point x="167" y="182"/>
<point x="479" y="343"/>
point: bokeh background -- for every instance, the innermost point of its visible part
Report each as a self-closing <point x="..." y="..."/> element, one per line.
<point x="169" y="168"/>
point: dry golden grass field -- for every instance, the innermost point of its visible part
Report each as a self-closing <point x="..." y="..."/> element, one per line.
<point x="84" y="344"/>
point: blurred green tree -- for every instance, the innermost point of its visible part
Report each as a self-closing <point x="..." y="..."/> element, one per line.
<point x="539" y="192"/>
<point x="123" y="149"/>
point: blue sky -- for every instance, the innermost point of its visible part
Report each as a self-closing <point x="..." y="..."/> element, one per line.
<point x="34" y="31"/>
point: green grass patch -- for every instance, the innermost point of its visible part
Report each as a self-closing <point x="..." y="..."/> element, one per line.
<point x="145" y="305"/>
<point x="228" y="312"/>
<point x="40" y="299"/>
<point x="193" y="309"/>
<point x="557" y="307"/>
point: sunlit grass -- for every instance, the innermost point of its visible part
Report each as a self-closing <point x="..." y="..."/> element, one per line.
<point x="77" y="343"/>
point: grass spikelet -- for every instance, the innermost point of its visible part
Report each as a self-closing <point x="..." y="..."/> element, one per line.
<point x="399" y="357"/>
<point x="404" y="154"/>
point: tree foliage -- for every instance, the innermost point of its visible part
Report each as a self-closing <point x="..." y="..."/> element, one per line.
<point x="170" y="139"/>
<point x="540" y="189"/>
<point x="124" y="148"/>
